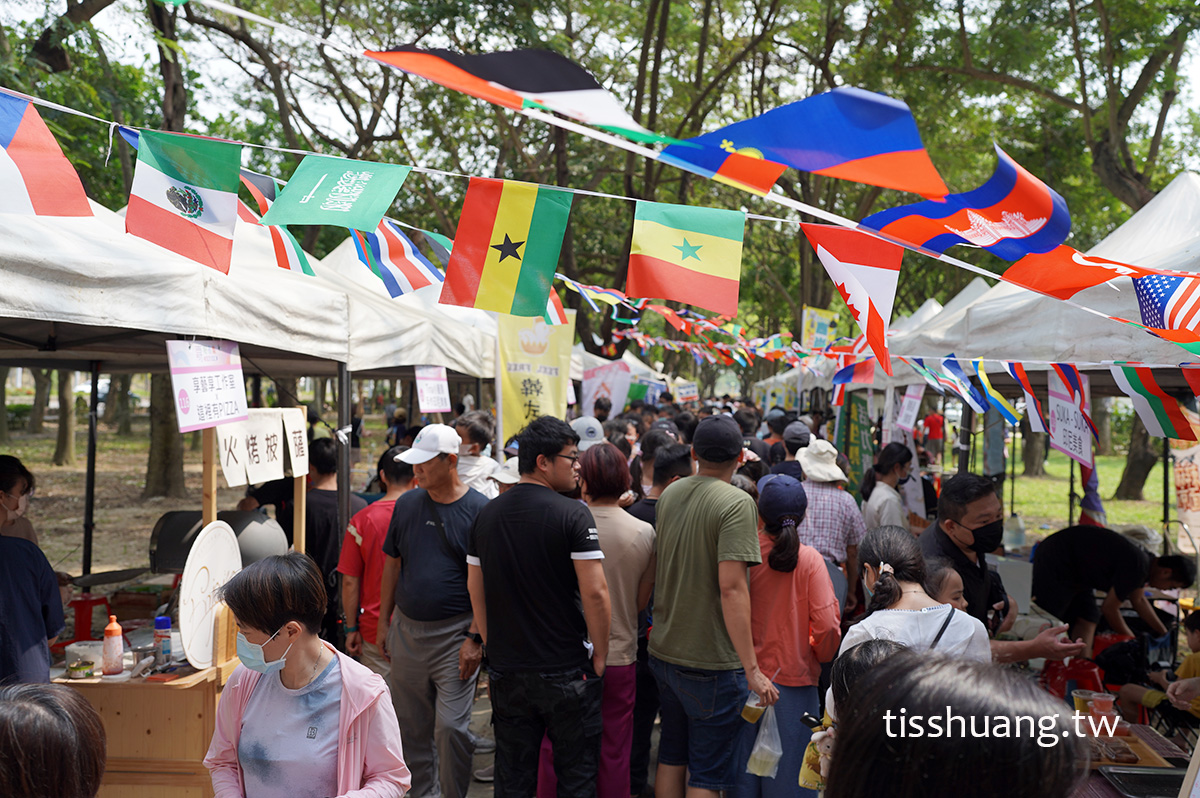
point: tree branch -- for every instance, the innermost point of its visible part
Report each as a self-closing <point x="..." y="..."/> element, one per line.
<point x="997" y="77"/>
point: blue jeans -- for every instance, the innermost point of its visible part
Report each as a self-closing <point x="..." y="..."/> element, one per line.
<point x="793" y="702"/>
<point x="701" y="715"/>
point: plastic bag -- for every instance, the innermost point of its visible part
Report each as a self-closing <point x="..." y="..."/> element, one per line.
<point x="768" y="748"/>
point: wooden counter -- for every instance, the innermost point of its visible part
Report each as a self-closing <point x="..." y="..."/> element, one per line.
<point x="159" y="732"/>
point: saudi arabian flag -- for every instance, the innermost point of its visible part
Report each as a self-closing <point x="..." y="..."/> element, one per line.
<point x="338" y="191"/>
<point x="184" y="196"/>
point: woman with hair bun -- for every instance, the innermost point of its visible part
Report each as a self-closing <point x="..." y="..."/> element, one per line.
<point x="882" y="503"/>
<point x="795" y="624"/>
<point x="898" y="608"/>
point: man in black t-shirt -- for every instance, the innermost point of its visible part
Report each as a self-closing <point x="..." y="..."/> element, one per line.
<point x="432" y="640"/>
<point x="1073" y="562"/>
<point x="323" y="534"/>
<point x="969" y="526"/>
<point x="537" y="585"/>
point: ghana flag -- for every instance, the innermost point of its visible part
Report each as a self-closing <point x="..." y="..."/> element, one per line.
<point x="688" y="254"/>
<point x="506" y="247"/>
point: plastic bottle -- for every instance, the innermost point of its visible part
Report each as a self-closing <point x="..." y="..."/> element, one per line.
<point x="114" y="648"/>
<point x="162" y="641"/>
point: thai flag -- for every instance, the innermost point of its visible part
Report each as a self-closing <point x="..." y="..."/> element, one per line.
<point x="1012" y="215"/>
<point x="394" y="259"/>
<point x="1171" y="303"/>
<point x="37" y="178"/>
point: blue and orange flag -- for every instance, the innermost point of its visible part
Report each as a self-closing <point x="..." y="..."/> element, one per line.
<point x="1012" y="215"/>
<point x="846" y="133"/>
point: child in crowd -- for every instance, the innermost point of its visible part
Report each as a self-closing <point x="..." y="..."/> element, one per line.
<point x="943" y="583"/>
<point x="847" y="669"/>
<point x="1133" y="696"/>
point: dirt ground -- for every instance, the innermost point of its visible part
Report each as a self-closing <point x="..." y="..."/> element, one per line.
<point x="123" y="519"/>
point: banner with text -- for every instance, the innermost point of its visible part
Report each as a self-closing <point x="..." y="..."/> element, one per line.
<point x="534" y="369"/>
<point x="1069" y="432"/>
<point x="206" y="379"/>
<point x="433" y="391"/>
<point x="610" y="381"/>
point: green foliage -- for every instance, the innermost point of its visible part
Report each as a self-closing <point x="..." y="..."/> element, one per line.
<point x="18" y="416"/>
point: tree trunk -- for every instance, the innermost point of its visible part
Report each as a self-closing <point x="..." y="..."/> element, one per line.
<point x="1033" y="450"/>
<point x="164" y="467"/>
<point x="1101" y="416"/>
<point x="4" y="404"/>
<point x="256" y="395"/>
<point x="319" y="395"/>
<point x="41" y="398"/>
<point x="1141" y="458"/>
<point x="286" y="392"/>
<point x="64" y="447"/>
<point x="170" y="66"/>
<point x="110" y="406"/>
<point x="118" y="401"/>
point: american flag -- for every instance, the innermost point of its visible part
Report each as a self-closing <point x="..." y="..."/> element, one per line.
<point x="1170" y="303"/>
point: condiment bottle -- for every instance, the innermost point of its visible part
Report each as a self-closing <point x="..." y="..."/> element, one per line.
<point x="114" y="649"/>
<point x="162" y="641"/>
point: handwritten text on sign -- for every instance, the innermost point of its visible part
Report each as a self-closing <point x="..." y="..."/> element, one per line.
<point x="433" y="392"/>
<point x="206" y="379"/>
<point x="1069" y="432"/>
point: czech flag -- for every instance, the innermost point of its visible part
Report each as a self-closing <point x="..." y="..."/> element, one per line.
<point x="846" y="133"/>
<point x="1012" y="215"/>
<point x="37" y="178"/>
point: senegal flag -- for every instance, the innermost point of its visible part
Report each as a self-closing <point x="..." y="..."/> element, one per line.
<point x="506" y="247"/>
<point x="184" y="196"/>
<point x="687" y="254"/>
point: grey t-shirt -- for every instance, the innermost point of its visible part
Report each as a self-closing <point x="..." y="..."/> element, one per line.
<point x="288" y="747"/>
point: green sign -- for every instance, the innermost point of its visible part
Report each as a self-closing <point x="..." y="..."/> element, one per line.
<point x="853" y="438"/>
<point x="338" y="191"/>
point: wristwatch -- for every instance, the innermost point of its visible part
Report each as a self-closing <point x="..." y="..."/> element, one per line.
<point x="478" y="638"/>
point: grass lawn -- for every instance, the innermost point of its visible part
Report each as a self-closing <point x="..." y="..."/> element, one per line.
<point x="1042" y="501"/>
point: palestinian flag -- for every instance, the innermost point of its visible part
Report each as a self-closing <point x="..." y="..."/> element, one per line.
<point x="520" y="79"/>
<point x="506" y="247"/>
<point x="1157" y="410"/>
<point x="184" y="196"/>
<point x="688" y="254"/>
<point x="288" y="254"/>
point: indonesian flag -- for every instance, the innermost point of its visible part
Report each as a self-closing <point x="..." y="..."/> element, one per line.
<point x="865" y="270"/>
<point x="184" y="196"/>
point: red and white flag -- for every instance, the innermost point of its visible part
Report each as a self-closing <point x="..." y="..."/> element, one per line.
<point x="865" y="270"/>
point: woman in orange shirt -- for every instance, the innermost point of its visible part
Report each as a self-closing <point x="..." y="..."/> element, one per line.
<point x="795" y="623"/>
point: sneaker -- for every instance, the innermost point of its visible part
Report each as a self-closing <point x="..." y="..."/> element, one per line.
<point x="487" y="774"/>
<point x="484" y="745"/>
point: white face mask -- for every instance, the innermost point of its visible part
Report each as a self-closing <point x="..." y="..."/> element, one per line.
<point x="19" y="510"/>
<point x="464" y="450"/>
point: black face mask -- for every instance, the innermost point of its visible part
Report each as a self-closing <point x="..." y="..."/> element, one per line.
<point x="904" y="480"/>
<point x="988" y="537"/>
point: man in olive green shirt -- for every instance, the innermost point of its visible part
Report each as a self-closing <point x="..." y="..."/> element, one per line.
<point x="701" y="649"/>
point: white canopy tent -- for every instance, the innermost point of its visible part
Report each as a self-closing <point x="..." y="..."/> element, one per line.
<point x="80" y="289"/>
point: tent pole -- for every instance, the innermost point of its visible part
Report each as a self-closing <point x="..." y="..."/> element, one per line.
<point x="1166" y="485"/>
<point x="1012" y="480"/>
<point x="343" y="472"/>
<point x="965" y="424"/>
<point x="1071" y="496"/>
<point x="89" y="489"/>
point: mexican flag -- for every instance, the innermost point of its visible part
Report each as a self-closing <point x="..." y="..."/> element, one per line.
<point x="185" y="196"/>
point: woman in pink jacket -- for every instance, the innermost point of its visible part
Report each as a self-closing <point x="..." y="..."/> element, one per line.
<point x="298" y="718"/>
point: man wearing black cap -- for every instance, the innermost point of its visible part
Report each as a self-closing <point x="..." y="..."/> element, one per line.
<point x="701" y="639"/>
<point x="795" y="437"/>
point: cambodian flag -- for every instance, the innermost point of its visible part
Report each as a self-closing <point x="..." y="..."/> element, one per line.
<point x="36" y="177"/>
<point x="847" y="133"/>
<point x="1012" y="215"/>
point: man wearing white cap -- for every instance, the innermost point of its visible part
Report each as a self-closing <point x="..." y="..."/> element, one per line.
<point x="432" y="641"/>
<point x="833" y="525"/>
<point x="506" y="475"/>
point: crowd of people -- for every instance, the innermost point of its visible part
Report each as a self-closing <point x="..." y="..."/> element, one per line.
<point x="617" y="570"/>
